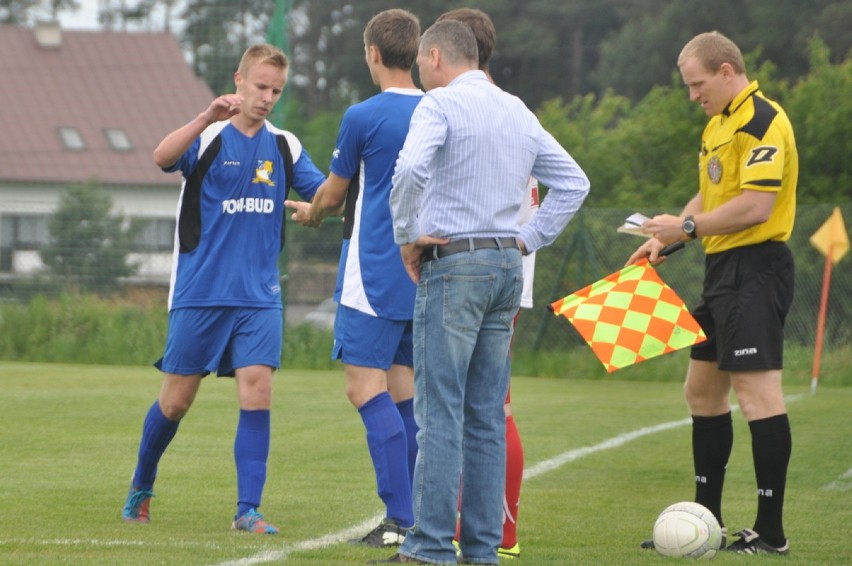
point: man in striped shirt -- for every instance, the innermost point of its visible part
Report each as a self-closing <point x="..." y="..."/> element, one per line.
<point x="457" y="190"/>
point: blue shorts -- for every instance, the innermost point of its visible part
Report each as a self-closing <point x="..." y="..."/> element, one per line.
<point x="221" y="339"/>
<point x="364" y="340"/>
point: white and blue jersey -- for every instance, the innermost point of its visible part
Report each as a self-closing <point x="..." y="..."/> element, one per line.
<point x="230" y="217"/>
<point x="371" y="277"/>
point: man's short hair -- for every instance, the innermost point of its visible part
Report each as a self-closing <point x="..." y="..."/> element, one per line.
<point x="455" y="41"/>
<point x="482" y="27"/>
<point x="262" y="53"/>
<point x="396" y="34"/>
<point x="711" y="49"/>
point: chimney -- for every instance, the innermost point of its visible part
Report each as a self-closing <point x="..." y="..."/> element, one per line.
<point x="48" y="34"/>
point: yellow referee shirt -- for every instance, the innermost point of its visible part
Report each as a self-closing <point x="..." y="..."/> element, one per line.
<point x="749" y="146"/>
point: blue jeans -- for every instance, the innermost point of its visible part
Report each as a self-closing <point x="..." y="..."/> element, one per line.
<point x="462" y="328"/>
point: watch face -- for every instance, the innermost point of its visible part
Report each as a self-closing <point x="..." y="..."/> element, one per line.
<point x="689" y="227"/>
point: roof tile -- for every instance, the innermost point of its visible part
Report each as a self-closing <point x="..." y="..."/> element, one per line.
<point x="137" y="82"/>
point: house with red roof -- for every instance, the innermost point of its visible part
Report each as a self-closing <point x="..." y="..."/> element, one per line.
<point x="89" y="106"/>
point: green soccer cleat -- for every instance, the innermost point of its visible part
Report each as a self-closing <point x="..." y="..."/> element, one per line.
<point x="514" y="552"/>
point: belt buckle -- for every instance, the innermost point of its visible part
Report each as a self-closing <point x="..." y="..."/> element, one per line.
<point x="430" y="252"/>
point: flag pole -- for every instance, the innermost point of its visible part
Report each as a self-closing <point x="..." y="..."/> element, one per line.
<point x="823" y="308"/>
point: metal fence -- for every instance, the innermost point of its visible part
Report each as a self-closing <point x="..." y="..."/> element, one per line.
<point x="589" y="249"/>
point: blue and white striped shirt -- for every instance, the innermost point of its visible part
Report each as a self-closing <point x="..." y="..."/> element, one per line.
<point x="463" y="171"/>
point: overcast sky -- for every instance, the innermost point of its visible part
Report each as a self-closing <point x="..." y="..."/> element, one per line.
<point x="86" y="17"/>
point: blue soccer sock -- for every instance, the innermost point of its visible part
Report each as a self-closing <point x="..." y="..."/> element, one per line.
<point x="251" y="452"/>
<point x="406" y="411"/>
<point x="386" y="439"/>
<point x="157" y="433"/>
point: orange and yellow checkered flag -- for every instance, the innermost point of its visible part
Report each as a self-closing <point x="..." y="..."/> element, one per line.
<point x="630" y="316"/>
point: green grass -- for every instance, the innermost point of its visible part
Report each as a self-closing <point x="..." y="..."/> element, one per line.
<point x="70" y="434"/>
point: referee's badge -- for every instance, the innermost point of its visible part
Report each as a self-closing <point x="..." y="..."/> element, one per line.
<point x="714" y="169"/>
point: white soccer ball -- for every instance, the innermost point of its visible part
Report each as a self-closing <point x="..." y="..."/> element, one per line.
<point x="687" y="529"/>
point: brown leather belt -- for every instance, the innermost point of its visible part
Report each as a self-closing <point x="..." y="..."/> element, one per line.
<point x="468" y="245"/>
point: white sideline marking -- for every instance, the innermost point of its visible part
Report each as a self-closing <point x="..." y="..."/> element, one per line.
<point x="614" y="442"/>
<point x="529" y="473"/>
<point x="341" y="536"/>
<point x="843" y="483"/>
<point x="313" y="544"/>
<point x="96" y="542"/>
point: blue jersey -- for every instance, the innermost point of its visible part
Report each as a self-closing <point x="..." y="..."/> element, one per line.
<point x="231" y="216"/>
<point x="371" y="277"/>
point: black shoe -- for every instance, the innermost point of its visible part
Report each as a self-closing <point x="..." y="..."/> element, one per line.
<point x="387" y="534"/>
<point x="750" y="543"/>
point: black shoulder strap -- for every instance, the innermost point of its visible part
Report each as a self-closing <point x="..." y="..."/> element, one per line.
<point x="284" y="148"/>
<point x="189" y="223"/>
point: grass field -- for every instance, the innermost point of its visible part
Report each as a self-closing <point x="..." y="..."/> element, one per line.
<point x="603" y="458"/>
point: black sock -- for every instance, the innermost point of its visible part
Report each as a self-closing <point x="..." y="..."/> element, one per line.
<point x="771" y="445"/>
<point x="712" y="439"/>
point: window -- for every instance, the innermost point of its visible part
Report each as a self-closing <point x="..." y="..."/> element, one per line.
<point x="24" y="232"/>
<point x="71" y="138"/>
<point x="158" y="235"/>
<point x="118" y="139"/>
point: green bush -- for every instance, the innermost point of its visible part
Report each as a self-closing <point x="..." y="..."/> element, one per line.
<point x="81" y="329"/>
<point x="92" y="330"/>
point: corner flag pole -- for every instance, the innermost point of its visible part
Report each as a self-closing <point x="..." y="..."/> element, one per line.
<point x="823" y="308"/>
<point x="832" y="241"/>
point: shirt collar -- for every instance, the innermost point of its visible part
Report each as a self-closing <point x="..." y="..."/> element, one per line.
<point x="468" y="77"/>
<point x="738" y="100"/>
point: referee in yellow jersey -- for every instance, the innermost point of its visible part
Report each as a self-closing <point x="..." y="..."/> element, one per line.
<point x="743" y="215"/>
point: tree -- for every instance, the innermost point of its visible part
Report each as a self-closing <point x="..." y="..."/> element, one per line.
<point x="643" y="52"/>
<point x="820" y="109"/>
<point x="217" y="33"/>
<point x="89" y="246"/>
<point x="23" y="11"/>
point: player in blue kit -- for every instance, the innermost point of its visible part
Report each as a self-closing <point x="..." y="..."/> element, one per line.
<point x="372" y="334"/>
<point x="225" y="299"/>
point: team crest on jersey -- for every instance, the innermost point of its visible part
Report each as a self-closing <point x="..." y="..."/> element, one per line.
<point x="263" y="173"/>
<point x="714" y="169"/>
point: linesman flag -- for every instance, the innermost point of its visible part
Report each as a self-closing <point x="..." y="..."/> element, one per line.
<point x="630" y="316"/>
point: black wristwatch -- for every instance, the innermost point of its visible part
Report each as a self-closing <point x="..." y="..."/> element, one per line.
<point x="688" y="226"/>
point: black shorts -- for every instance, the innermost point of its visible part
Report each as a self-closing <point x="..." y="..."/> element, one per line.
<point x="747" y="295"/>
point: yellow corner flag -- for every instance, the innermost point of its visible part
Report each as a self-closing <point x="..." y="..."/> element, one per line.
<point x="832" y="242"/>
<point x="831" y="239"/>
<point x="630" y="316"/>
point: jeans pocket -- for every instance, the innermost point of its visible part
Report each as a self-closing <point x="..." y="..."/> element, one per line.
<point x="466" y="299"/>
<point x="513" y="299"/>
